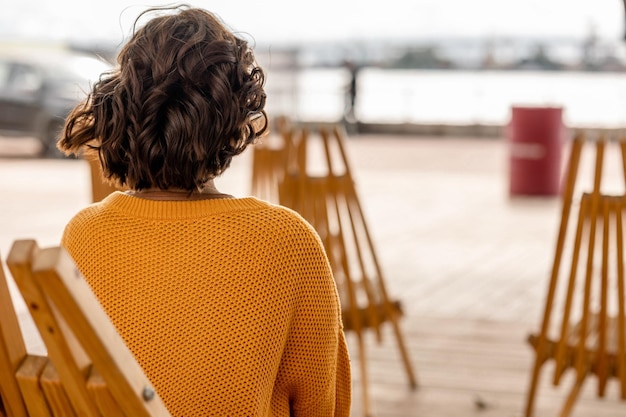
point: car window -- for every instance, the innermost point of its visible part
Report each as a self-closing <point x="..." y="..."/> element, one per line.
<point x="26" y="80"/>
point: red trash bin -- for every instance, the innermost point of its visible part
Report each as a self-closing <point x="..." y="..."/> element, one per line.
<point x="535" y="137"/>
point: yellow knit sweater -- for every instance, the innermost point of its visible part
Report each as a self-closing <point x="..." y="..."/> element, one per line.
<point x="229" y="305"/>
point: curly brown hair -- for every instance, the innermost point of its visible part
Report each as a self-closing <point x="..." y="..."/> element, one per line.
<point x="185" y="98"/>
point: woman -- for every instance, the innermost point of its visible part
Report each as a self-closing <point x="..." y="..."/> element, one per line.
<point x="229" y="304"/>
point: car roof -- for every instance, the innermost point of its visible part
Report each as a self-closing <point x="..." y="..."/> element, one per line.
<point x="56" y="62"/>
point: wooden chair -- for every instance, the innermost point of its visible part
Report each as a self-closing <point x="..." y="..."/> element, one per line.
<point x="330" y="203"/>
<point x="269" y="159"/>
<point x="99" y="187"/>
<point x="590" y="337"/>
<point x="88" y="370"/>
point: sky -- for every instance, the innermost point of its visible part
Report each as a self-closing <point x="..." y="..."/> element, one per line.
<point x="289" y="21"/>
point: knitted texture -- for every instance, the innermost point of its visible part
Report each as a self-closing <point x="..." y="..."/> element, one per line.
<point x="229" y="305"/>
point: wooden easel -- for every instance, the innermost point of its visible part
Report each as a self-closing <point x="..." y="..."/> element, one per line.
<point x="330" y="203"/>
<point x="591" y="338"/>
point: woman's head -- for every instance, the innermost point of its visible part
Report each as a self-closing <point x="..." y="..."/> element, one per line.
<point x="184" y="99"/>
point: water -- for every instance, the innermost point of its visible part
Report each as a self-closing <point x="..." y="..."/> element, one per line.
<point x="589" y="99"/>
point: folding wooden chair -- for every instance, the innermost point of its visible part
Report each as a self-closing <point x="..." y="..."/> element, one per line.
<point x="590" y="339"/>
<point x="330" y="203"/>
<point x="89" y="370"/>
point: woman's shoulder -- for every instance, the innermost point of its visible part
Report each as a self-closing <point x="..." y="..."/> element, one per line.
<point x="86" y="218"/>
<point x="284" y="221"/>
<point x="282" y="213"/>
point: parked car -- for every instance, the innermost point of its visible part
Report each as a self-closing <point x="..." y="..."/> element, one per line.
<point x="38" y="89"/>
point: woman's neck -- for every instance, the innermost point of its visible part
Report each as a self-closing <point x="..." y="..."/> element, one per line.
<point x="208" y="192"/>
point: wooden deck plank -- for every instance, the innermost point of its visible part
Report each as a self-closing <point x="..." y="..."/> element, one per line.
<point x="464" y="362"/>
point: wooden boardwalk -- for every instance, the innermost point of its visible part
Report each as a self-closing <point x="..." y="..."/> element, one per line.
<point x="469" y="263"/>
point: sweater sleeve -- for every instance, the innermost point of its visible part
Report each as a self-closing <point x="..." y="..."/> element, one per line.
<point x="343" y="384"/>
<point x="316" y="364"/>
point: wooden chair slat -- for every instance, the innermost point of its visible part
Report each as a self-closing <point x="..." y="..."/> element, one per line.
<point x="12" y="352"/>
<point x="55" y="392"/>
<point x="28" y="376"/>
<point x="97" y="387"/>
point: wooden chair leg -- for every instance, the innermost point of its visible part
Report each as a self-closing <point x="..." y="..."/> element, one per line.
<point x="562" y="351"/>
<point x="596" y="199"/>
<point x="532" y="390"/>
<point x="602" y="365"/>
<point x="572" y="397"/>
<point x="367" y="410"/>
<point x="403" y="352"/>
